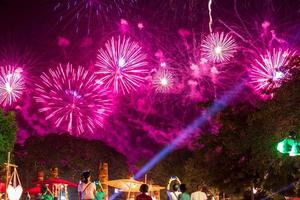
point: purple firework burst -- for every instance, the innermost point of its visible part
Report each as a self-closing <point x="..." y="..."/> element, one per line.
<point x="12" y="85"/>
<point x="122" y="65"/>
<point x="269" y="72"/>
<point x="219" y="47"/>
<point x="72" y="99"/>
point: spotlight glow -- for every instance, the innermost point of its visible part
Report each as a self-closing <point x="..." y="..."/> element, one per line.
<point x="122" y="65"/>
<point x="12" y="85"/>
<point x="219" y="47"/>
<point x="72" y="99"/>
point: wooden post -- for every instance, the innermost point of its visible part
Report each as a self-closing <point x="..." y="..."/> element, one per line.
<point x="7" y="175"/>
<point x="66" y="192"/>
<point x="40" y="175"/>
<point x="145" y="179"/>
<point x="103" y="178"/>
<point x="252" y="191"/>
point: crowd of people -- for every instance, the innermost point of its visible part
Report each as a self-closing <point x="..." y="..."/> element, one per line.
<point x="178" y="191"/>
<point x="89" y="190"/>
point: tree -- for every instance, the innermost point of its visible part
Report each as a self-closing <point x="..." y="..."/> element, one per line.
<point x="8" y="129"/>
<point x="172" y="165"/>
<point x="223" y="160"/>
<point x="69" y="154"/>
<point x="244" y="154"/>
<point x="272" y="122"/>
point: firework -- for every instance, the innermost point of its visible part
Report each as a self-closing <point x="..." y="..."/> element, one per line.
<point x="163" y="81"/>
<point x="12" y="85"/>
<point x="269" y="72"/>
<point x="122" y="65"/>
<point x="72" y="99"/>
<point x="90" y="12"/>
<point x="218" y="47"/>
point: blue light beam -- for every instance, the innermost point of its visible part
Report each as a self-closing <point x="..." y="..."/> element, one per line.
<point x="218" y="105"/>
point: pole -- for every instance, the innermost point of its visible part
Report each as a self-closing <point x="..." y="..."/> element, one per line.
<point x="128" y="196"/>
<point x="252" y="192"/>
<point x="7" y="175"/>
<point x="146" y="178"/>
<point x="103" y="178"/>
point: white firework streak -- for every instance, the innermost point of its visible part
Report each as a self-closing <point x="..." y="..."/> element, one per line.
<point x="12" y="85"/>
<point x="163" y="81"/>
<point x="219" y="47"/>
<point x="72" y="99"/>
<point x="90" y="11"/>
<point x="267" y="72"/>
<point x="122" y="65"/>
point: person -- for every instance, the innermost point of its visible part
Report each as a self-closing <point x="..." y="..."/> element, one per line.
<point x="144" y="190"/>
<point x="46" y="194"/>
<point x="184" y="194"/>
<point x="86" y="188"/>
<point x="100" y="191"/>
<point x="209" y="195"/>
<point x="174" y="193"/>
<point x="199" y="194"/>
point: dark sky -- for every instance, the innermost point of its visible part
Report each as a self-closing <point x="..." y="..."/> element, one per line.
<point x="30" y="30"/>
<point x="33" y="24"/>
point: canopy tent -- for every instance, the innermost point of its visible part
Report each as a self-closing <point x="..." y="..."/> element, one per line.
<point x="58" y="186"/>
<point x="33" y="191"/>
<point x="132" y="186"/>
<point x="52" y="181"/>
<point x="125" y="185"/>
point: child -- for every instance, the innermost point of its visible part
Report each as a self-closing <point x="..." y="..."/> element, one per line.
<point x="100" y="192"/>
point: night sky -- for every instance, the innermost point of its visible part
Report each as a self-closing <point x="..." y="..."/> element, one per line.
<point x="39" y="34"/>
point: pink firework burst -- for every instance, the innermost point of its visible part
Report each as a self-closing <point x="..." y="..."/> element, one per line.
<point x="163" y="81"/>
<point x="12" y="85"/>
<point x="268" y="72"/>
<point x="219" y="47"/>
<point x="72" y="99"/>
<point x="122" y="65"/>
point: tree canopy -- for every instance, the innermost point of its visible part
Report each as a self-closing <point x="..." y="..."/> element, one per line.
<point x="8" y="129"/>
<point x="243" y="154"/>
<point x="70" y="155"/>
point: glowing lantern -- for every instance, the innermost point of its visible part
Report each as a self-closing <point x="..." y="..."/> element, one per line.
<point x="285" y="146"/>
<point x="295" y="150"/>
<point x="289" y="145"/>
<point x="14" y="189"/>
